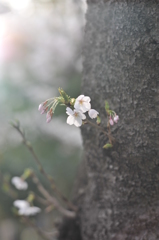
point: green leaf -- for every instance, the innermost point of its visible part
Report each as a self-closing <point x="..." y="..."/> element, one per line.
<point x="108" y="145"/>
<point x="106" y="106"/>
<point x="98" y="120"/>
<point x="64" y="95"/>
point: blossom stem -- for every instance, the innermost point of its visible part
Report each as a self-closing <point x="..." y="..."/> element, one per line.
<point x="96" y="126"/>
<point x="42" y="170"/>
<point x="108" y="134"/>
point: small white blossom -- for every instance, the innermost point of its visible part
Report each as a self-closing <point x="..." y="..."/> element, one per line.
<point x="25" y="209"/>
<point x="116" y="118"/>
<point x="82" y="103"/>
<point x="19" y="183"/>
<point x="93" y="113"/>
<point x="29" y="211"/>
<point x="75" y="117"/>
<point x="21" y="204"/>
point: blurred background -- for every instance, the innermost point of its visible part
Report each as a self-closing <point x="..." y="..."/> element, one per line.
<point x="40" y="50"/>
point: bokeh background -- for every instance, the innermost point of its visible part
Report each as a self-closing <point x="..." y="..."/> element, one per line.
<point x="40" y="50"/>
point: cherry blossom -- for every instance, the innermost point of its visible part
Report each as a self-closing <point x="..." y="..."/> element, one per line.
<point x="25" y="209"/>
<point x="93" y="113"/>
<point x="75" y="117"/>
<point x="29" y="211"/>
<point x="21" y="204"/>
<point x="82" y="103"/>
<point x="19" y="183"/>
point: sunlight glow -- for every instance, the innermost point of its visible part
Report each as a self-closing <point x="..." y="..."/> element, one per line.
<point x="18" y="4"/>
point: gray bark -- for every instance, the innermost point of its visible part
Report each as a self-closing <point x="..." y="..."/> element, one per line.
<point x="117" y="190"/>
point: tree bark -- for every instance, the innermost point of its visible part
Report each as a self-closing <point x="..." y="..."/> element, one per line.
<point x="117" y="190"/>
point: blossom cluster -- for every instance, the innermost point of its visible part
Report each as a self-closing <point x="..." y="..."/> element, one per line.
<point x="76" y="109"/>
<point x="113" y="119"/>
<point x="82" y="105"/>
<point x="48" y="107"/>
<point x="23" y="206"/>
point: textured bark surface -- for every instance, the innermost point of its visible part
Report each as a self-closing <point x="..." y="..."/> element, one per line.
<point x="118" y="189"/>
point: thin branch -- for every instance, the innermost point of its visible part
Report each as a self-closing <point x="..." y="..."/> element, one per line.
<point x="39" y="231"/>
<point x="108" y="134"/>
<point x="51" y="199"/>
<point x="96" y="126"/>
<point x="48" y="177"/>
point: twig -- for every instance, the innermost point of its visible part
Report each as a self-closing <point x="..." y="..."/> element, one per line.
<point x="96" y="126"/>
<point x="108" y="134"/>
<point x="51" y="199"/>
<point x="48" y="177"/>
<point x="40" y="232"/>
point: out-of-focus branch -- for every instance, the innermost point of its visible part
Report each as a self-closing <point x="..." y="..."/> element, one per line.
<point x="47" y="176"/>
<point x="39" y="231"/>
<point x="51" y="199"/>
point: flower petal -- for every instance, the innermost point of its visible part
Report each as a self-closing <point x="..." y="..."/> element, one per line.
<point x="70" y="120"/>
<point x="78" y="121"/>
<point x="19" y="183"/>
<point x="79" y="97"/>
<point x="83" y="116"/>
<point x="69" y="111"/>
<point x="93" y="113"/>
<point x="85" y="107"/>
<point x="86" y="99"/>
<point x="29" y="211"/>
<point x="21" y="204"/>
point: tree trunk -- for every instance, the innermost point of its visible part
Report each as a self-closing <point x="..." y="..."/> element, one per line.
<point x="117" y="189"/>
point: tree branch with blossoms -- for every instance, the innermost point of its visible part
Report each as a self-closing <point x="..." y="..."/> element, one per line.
<point x="76" y="109"/>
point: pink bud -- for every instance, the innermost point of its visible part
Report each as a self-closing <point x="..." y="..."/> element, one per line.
<point x="111" y="121"/>
<point x="42" y="107"/>
<point x="116" y="118"/>
<point x="49" y="116"/>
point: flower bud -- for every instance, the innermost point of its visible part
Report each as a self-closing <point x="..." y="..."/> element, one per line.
<point x="93" y="113"/>
<point x="108" y="145"/>
<point x="111" y="121"/>
<point x="72" y="102"/>
<point x="116" y="118"/>
<point x="49" y="116"/>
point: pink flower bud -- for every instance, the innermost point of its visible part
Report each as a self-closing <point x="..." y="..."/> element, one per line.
<point x="49" y="116"/>
<point x="116" y="118"/>
<point x="42" y="107"/>
<point x="111" y="121"/>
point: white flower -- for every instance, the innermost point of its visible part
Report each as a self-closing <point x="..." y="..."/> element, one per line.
<point x="21" y="204"/>
<point x="25" y="209"/>
<point x="19" y="183"/>
<point x="93" y="113"/>
<point x="29" y="211"/>
<point x="82" y="103"/>
<point x="75" y="117"/>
